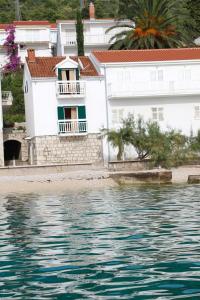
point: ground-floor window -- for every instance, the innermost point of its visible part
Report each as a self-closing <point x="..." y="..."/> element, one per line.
<point x="197" y="112"/>
<point x="157" y="113"/>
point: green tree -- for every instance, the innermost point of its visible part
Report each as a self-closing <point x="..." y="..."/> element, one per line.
<point x="118" y="139"/>
<point x="13" y="82"/>
<point x="79" y="34"/>
<point x="154" y="25"/>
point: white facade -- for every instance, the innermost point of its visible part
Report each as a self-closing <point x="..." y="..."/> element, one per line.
<point x="164" y="91"/>
<point x="41" y="36"/>
<point x="95" y="36"/>
<point x="42" y="101"/>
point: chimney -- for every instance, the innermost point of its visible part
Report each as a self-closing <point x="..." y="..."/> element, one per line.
<point x="92" y="11"/>
<point x="31" y="55"/>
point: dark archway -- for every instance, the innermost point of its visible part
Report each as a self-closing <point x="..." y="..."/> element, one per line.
<point x="12" y="150"/>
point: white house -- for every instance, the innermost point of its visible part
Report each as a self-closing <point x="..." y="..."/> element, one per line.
<point x="95" y="36"/>
<point x="39" y="35"/>
<point x="65" y="108"/>
<point x="68" y="100"/>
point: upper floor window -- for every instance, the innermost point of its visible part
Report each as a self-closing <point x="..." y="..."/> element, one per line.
<point x="187" y="74"/>
<point x="197" y="112"/>
<point x="157" y="113"/>
<point x="157" y="75"/>
<point x="26" y="87"/>
<point x="68" y="74"/>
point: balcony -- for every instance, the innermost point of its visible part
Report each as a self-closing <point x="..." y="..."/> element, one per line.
<point x="155" y="89"/>
<point x="75" y="89"/>
<point x="72" y="127"/>
<point x="89" y="39"/>
<point x="7" y="98"/>
<point x="32" y="36"/>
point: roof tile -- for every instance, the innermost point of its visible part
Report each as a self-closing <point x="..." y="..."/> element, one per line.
<point x="117" y="56"/>
<point x="45" y="66"/>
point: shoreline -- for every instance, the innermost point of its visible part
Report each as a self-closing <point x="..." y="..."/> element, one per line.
<point x="77" y="180"/>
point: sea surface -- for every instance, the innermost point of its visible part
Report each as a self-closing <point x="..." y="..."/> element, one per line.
<point x="114" y="243"/>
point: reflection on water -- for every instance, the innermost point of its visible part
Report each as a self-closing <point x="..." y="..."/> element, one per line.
<point x="129" y="243"/>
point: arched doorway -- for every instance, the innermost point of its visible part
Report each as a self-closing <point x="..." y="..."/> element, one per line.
<point x="12" y="150"/>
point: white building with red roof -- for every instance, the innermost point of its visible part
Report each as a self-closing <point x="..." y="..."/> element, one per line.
<point x="39" y="35"/>
<point x="95" y="32"/>
<point x="68" y="100"/>
<point x="65" y="108"/>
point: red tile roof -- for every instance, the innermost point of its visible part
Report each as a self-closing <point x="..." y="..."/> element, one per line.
<point x="3" y="26"/>
<point x="30" y="23"/>
<point x="117" y="56"/>
<point x="88" y="67"/>
<point x="53" y="25"/>
<point x="45" y="66"/>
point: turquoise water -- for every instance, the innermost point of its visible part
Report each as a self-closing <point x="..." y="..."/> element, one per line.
<point x="128" y="243"/>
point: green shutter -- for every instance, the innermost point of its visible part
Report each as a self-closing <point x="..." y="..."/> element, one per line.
<point x="59" y="74"/>
<point x="81" y="112"/>
<point x="61" y="113"/>
<point x="77" y="74"/>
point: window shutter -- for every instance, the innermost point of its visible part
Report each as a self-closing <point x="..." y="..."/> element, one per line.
<point x="60" y="113"/>
<point x="81" y="112"/>
<point x="77" y="74"/>
<point x="59" y="74"/>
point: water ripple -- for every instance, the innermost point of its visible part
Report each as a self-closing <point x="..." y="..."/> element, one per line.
<point x="124" y="243"/>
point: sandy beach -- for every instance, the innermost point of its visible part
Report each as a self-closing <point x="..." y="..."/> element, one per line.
<point x="76" y="180"/>
<point x="59" y="182"/>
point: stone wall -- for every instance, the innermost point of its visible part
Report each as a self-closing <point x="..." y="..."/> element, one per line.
<point x="17" y="135"/>
<point x="1" y="150"/>
<point x="75" y="149"/>
<point x="129" y="165"/>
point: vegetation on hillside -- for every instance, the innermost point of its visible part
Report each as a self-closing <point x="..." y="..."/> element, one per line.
<point x="53" y="10"/>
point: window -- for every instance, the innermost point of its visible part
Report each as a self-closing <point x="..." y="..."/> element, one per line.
<point x="157" y="113"/>
<point x="187" y="74"/>
<point x="197" y="112"/>
<point x="68" y="74"/>
<point x="117" y="116"/>
<point x="26" y="88"/>
<point x="157" y="75"/>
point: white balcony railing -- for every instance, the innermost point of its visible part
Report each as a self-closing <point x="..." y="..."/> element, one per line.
<point x="72" y="127"/>
<point x="159" y="88"/>
<point x="71" y="88"/>
<point x="7" y="98"/>
<point x="32" y="36"/>
<point x="89" y="39"/>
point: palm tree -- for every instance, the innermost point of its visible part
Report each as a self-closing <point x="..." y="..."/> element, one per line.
<point x="154" y="26"/>
<point x="118" y="138"/>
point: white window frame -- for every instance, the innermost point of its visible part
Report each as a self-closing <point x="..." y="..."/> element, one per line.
<point x="157" y="75"/>
<point x="117" y="116"/>
<point x="157" y="113"/>
<point x="197" y="112"/>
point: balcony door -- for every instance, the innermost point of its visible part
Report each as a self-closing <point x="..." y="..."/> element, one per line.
<point x="70" y="113"/>
<point x="72" y="119"/>
<point x="68" y="74"/>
